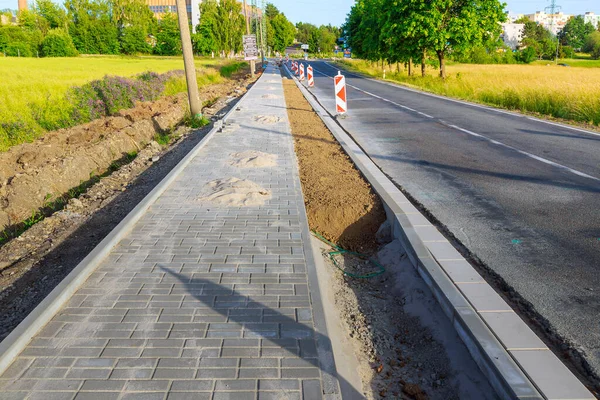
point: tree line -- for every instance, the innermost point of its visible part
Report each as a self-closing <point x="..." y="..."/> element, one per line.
<point x="407" y="31"/>
<point x="48" y="29"/>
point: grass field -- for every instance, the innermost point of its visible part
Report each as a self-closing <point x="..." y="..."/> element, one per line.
<point x="570" y="93"/>
<point x="28" y="84"/>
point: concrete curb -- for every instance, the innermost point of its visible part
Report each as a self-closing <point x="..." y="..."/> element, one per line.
<point x="516" y="362"/>
<point x="20" y="337"/>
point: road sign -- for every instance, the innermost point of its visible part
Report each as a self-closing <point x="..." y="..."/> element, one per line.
<point x="304" y="47"/>
<point x="310" y="76"/>
<point x="250" y="47"/>
<point x="301" y="72"/>
<point x="341" y="105"/>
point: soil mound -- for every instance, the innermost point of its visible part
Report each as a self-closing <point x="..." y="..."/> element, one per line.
<point x="234" y="192"/>
<point x="267" y="119"/>
<point x="270" y="96"/>
<point x="253" y="159"/>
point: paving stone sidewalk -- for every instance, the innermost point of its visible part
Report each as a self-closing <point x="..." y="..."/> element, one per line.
<point x="198" y="301"/>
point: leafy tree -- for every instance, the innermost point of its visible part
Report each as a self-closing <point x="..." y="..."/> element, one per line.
<point x="592" y="45"/>
<point x="55" y="15"/>
<point x="231" y="26"/>
<point x="15" y="40"/>
<point x="135" y="22"/>
<point x="58" y="43"/>
<point x="455" y="24"/>
<point x="133" y="40"/>
<point x="91" y="26"/>
<point x="168" y="41"/>
<point x="575" y="32"/>
<point x="304" y="31"/>
<point x="205" y="40"/>
<point x="283" y="32"/>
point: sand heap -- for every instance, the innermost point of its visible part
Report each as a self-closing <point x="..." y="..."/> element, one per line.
<point x="253" y="159"/>
<point x="270" y="96"/>
<point x="267" y="119"/>
<point x="234" y="192"/>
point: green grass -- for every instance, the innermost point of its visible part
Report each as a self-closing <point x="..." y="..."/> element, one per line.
<point x="33" y="89"/>
<point x="549" y="90"/>
<point x="578" y="62"/>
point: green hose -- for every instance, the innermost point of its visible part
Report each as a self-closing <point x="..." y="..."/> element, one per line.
<point x="339" y="250"/>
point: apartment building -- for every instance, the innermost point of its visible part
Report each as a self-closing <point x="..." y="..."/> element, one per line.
<point x="592" y="19"/>
<point x="553" y="22"/>
<point x="512" y="34"/>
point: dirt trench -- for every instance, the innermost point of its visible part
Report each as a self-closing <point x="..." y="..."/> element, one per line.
<point x="32" y="174"/>
<point x="405" y="346"/>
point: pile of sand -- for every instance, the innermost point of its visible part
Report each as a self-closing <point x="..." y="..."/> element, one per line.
<point x="267" y="119"/>
<point x="270" y="96"/>
<point x="234" y="192"/>
<point x="253" y="159"/>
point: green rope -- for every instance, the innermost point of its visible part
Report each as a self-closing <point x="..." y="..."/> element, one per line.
<point x="339" y="250"/>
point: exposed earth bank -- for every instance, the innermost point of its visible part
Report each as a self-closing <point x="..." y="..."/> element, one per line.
<point x="32" y="264"/>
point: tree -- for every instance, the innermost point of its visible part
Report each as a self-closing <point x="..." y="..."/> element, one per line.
<point x="55" y="15"/>
<point x="575" y="32"/>
<point x="592" y="45"/>
<point x="168" y="42"/>
<point x="205" y="40"/>
<point x="91" y="26"/>
<point x="135" y="22"/>
<point x="58" y="43"/>
<point x="231" y="26"/>
<point x="283" y="32"/>
<point x="455" y="24"/>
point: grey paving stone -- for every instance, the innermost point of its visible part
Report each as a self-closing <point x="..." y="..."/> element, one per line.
<point x="198" y="297"/>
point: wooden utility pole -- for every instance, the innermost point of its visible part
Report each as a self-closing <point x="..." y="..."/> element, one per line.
<point x="188" y="60"/>
<point x="252" y="64"/>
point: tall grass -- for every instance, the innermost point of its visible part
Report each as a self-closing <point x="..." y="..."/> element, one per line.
<point x="33" y="92"/>
<point x="570" y="93"/>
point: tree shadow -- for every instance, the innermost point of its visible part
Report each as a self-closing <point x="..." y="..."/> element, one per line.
<point x="294" y="339"/>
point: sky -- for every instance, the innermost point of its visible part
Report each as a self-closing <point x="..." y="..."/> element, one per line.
<point x="323" y="12"/>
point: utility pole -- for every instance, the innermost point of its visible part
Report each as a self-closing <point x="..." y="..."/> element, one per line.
<point x="554" y="8"/>
<point x="252" y="65"/>
<point x="188" y="60"/>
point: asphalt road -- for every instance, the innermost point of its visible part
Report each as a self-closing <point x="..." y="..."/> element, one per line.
<point x="521" y="194"/>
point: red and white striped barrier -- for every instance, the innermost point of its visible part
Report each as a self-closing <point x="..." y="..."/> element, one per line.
<point x="310" y="76"/>
<point x="301" y="72"/>
<point x="297" y="69"/>
<point x="294" y="66"/>
<point x="341" y="105"/>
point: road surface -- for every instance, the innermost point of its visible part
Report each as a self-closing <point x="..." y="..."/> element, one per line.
<point x="521" y="194"/>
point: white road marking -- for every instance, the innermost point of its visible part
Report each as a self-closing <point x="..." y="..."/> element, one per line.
<point x="538" y="158"/>
<point x="533" y="156"/>
<point x="471" y="104"/>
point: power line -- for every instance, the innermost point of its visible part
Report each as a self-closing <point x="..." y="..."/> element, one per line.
<point x="554" y="9"/>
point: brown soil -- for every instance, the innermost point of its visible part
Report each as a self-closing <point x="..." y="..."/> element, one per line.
<point x="33" y="173"/>
<point x="35" y="262"/>
<point x="340" y="204"/>
<point x="398" y="332"/>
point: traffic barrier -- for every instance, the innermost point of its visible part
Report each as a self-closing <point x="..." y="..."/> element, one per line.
<point x="310" y="76"/>
<point x="297" y="69"/>
<point x="341" y="105"/>
<point x="301" y="72"/>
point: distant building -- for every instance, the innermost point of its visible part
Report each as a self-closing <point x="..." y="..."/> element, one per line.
<point x="22" y="5"/>
<point x="553" y="22"/>
<point x="160" y="7"/>
<point x="592" y="19"/>
<point x="512" y="17"/>
<point x="512" y="34"/>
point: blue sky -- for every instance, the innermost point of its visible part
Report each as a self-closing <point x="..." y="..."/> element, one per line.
<point x="321" y="12"/>
<point x="334" y="12"/>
